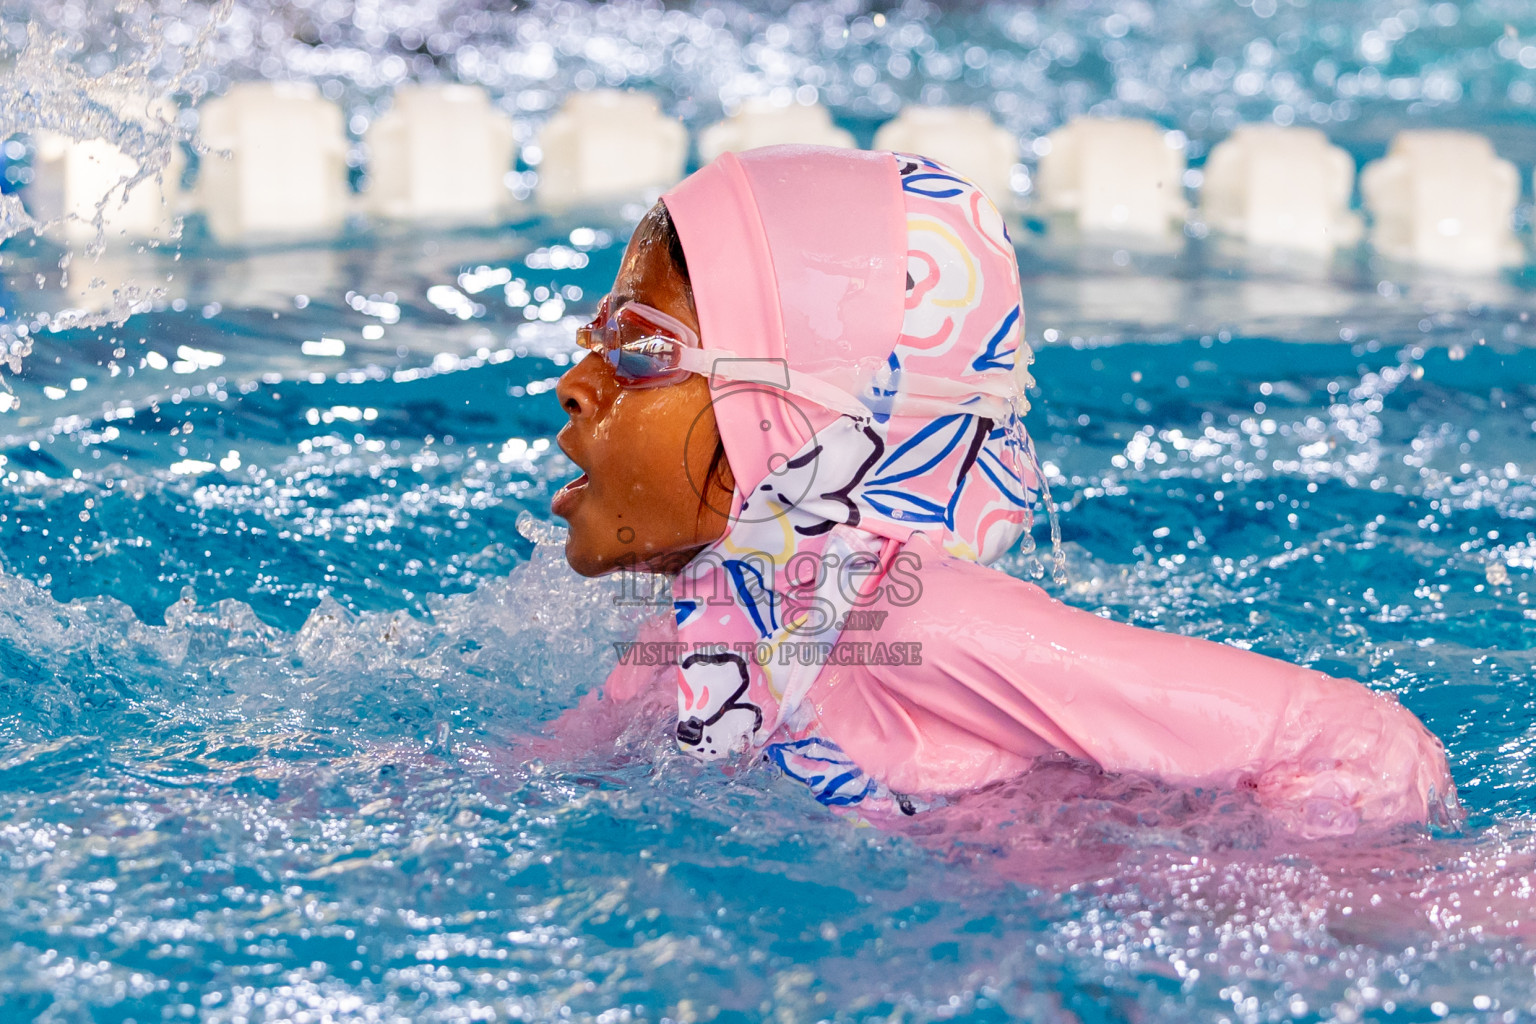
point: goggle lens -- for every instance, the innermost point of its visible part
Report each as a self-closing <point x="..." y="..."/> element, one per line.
<point x="648" y="360"/>
<point x="639" y="344"/>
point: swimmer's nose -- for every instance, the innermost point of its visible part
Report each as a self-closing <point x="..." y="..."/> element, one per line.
<point x="579" y="389"/>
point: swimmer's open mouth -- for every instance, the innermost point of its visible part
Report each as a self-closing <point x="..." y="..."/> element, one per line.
<point x="566" y="496"/>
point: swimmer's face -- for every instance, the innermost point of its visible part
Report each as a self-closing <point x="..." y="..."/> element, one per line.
<point x="635" y="505"/>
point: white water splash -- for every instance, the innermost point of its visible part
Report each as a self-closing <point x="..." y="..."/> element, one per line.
<point x="57" y="86"/>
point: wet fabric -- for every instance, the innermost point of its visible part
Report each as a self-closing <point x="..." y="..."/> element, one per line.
<point x="844" y="626"/>
<point x="830" y="500"/>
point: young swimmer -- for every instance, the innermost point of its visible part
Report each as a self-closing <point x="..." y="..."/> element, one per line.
<point x="804" y="405"/>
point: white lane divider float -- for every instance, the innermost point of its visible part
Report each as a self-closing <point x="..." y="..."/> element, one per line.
<point x="1283" y="187"/>
<point x="1117" y="175"/>
<point x="441" y="153"/>
<point x="74" y="178"/>
<point x="761" y="122"/>
<point x="285" y="174"/>
<point x="607" y="145"/>
<point x="1443" y="199"/>
<point x="276" y="171"/>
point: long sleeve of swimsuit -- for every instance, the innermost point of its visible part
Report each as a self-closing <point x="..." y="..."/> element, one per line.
<point x="1008" y="674"/>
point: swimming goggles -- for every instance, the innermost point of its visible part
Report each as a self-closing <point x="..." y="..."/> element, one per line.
<point x="648" y="348"/>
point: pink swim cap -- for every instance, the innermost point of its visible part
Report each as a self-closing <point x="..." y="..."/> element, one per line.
<point x="893" y="278"/>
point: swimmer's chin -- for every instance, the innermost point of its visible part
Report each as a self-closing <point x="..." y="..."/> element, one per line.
<point x="586" y="566"/>
<point x="582" y="559"/>
<point x="589" y="561"/>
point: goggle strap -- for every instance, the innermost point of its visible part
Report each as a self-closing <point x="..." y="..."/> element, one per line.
<point x="920" y="395"/>
<point x="718" y="364"/>
<point x="656" y="318"/>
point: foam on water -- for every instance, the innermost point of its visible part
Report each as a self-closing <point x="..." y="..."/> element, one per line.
<point x="253" y="823"/>
<point x="319" y="779"/>
<point x="297" y="711"/>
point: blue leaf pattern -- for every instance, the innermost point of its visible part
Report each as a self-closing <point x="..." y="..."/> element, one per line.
<point x="990" y="358"/>
<point x="923" y="450"/>
<point x="684" y="609"/>
<point x="1005" y="479"/>
<point x="821" y="765"/>
<point x="753" y="598"/>
<point x="904" y="507"/>
<point x="910" y="184"/>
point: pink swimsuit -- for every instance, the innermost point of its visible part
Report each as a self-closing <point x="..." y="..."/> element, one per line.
<point x="846" y="627"/>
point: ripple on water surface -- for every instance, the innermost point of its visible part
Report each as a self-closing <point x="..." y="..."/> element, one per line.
<point x="274" y="650"/>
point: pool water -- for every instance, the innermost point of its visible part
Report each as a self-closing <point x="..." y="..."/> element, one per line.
<point x="276" y="627"/>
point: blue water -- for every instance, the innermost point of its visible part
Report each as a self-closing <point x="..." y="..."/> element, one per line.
<point x="268" y="629"/>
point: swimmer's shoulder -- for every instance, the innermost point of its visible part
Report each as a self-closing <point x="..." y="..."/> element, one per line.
<point x="946" y="605"/>
<point x="946" y="587"/>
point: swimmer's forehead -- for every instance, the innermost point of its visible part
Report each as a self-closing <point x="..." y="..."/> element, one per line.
<point x="645" y="232"/>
